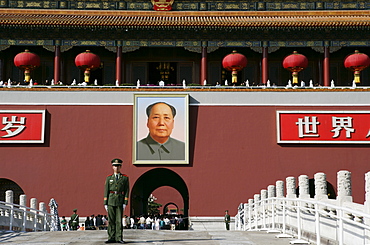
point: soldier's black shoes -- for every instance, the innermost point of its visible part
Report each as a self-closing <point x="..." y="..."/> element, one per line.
<point x="113" y="241"/>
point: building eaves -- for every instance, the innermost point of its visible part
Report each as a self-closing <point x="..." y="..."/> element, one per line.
<point x="179" y="20"/>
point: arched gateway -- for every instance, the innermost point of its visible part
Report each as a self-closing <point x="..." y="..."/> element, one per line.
<point x="7" y="184"/>
<point x="152" y="180"/>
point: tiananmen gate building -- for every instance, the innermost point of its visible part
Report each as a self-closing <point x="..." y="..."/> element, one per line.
<point x="57" y="138"/>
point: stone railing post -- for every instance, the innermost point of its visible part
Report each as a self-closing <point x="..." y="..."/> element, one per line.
<point x="263" y="194"/>
<point x="33" y="205"/>
<point x="250" y="212"/>
<point x="10" y="212"/>
<point x="257" y="198"/>
<point x="271" y="191"/>
<point x="42" y="207"/>
<point x="245" y="217"/>
<point x="279" y="188"/>
<point x="344" y="186"/>
<point x="9" y="196"/>
<point x="290" y="193"/>
<point x="290" y="187"/>
<point x="23" y="202"/>
<point x="367" y="192"/>
<point x="321" y="192"/>
<point x="264" y="206"/>
<point x="304" y="190"/>
<point x="42" y="216"/>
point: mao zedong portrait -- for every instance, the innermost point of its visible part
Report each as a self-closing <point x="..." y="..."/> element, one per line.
<point x="159" y="145"/>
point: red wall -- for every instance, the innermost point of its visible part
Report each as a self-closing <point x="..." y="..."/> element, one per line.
<point x="233" y="153"/>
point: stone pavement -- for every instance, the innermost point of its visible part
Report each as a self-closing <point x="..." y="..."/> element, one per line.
<point x="141" y="237"/>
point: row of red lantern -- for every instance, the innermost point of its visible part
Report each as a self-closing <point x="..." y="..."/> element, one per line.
<point x="28" y="61"/>
<point x="295" y="63"/>
<point x="234" y="62"/>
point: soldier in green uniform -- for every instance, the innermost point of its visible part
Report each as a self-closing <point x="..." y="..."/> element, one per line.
<point x="74" y="221"/>
<point x="115" y="200"/>
<point x="227" y="219"/>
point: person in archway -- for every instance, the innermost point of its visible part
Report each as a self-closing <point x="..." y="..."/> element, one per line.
<point x="158" y="145"/>
<point x="227" y="219"/>
<point x="115" y="200"/>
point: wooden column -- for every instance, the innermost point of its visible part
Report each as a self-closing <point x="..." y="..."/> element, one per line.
<point x="57" y="64"/>
<point x="203" y="64"/>
<point x="326" y="66"/>
<point x="119" y="65"/>
<point x="265" y="68"/>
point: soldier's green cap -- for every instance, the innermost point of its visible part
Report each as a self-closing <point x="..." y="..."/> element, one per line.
<point x="75" y="210"/>
<point x="116" y="161"/>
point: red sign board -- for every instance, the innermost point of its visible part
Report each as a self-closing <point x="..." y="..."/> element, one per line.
<point x="22" y="126"/>
<point x="346" y="127"/>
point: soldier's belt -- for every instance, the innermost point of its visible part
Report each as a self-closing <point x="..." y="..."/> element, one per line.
<point x="117" y="192"/>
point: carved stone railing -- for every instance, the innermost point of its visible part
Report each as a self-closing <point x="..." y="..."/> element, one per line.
<point x="14" y="217"/>
<point x="303" y="219"/>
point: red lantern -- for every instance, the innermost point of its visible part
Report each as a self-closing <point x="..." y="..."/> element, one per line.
<point x="357" y="62"/>
<point x="87" y="62"/>
<point x="27" y="61"/>
<point x="295" y="63"/>
<point x="234" y="62"/>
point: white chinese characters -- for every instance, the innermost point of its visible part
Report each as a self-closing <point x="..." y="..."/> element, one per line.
<point x="18" y="125"/>
<point x="340" y="123"/>
<point x="308" y="126"/>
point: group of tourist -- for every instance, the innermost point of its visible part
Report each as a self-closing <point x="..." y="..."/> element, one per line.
<point x="163" y="222"/>
<point x="100" y="222"/>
